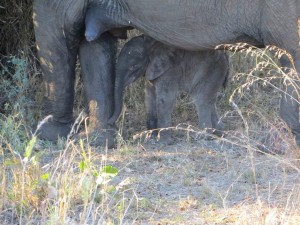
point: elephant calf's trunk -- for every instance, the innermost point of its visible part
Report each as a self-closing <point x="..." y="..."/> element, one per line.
<point x="112" y="120"/>
<point x="119" y="91"/>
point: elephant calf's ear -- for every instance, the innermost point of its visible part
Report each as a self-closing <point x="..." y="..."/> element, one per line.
<point x="119" y="33"/>
<point x="161" y="63"/>
<point x="157" y="67"/>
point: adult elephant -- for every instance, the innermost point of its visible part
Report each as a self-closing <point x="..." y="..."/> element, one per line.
<point x="202" y="24"/>
<point x="59" y="31"/>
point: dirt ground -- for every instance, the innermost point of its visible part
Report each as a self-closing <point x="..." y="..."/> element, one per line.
<point x="200" y="182"/>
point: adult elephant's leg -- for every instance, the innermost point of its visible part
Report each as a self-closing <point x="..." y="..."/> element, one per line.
<point x="57" y="49"/>
<point x="97" y="60"/>
<point x="289" y="107"/>
<point x="275" y="14"/>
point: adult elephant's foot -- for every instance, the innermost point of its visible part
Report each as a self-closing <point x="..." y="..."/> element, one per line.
<point x="103" y="137"/>
<point x="51" y="130"/>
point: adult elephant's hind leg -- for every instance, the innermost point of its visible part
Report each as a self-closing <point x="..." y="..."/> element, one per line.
<point x="97" y="60"/>
<point x="280" y="27"/>
<point x="289" y="107"/>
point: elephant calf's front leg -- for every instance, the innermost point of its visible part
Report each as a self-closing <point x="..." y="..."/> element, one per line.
<point x="165" y="101"/>
<point x="150" y="102"/>
<point x="97" y="62"/>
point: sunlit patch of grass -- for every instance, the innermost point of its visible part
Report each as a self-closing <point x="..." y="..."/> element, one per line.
<point x="128" y="150"/>
<point x="71" y="182"/>
<point x="187" y="203"/>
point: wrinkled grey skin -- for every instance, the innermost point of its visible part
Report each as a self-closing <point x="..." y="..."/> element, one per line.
<point x="169" y="70"/>
<point x="204" y="24"/>
<point x="59" y="30"/>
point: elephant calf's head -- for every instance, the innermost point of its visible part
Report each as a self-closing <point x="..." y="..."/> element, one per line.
<point x="134" y="58"/>
<point x="132" y="63"/>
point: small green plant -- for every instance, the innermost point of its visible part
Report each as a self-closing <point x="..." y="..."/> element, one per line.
<point x="15" y="83"/>
<point x="72" y="180"/>
<point x="17" y="92"/>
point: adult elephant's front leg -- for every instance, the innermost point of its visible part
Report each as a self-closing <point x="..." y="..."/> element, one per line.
<point x="97" y="60"/>
<point x="289" y="107"/>
<point x="57" y="49"/>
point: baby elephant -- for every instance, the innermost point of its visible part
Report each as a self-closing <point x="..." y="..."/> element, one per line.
<point x="169" y="70"/>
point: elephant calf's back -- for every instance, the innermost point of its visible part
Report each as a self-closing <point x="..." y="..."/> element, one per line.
<point x="204" y="69"/>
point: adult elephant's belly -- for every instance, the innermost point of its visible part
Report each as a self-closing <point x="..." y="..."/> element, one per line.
<point x="193" y="25"/>
<point x="195" y="41"/>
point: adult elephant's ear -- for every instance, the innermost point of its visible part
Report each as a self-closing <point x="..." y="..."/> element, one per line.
<point x="120" y="33"/>
<point x="162" y="59"/>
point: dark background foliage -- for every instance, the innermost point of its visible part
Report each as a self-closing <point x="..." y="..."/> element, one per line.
<point x="16" y="27"/>
<point x="20" y="77"/>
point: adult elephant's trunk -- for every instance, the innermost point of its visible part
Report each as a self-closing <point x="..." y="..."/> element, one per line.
<point x="118" y="93"/>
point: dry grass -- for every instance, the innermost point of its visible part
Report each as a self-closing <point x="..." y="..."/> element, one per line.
<point x="224" y="181"/>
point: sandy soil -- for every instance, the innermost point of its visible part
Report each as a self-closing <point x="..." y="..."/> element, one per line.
<point x="205" y="182"/>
